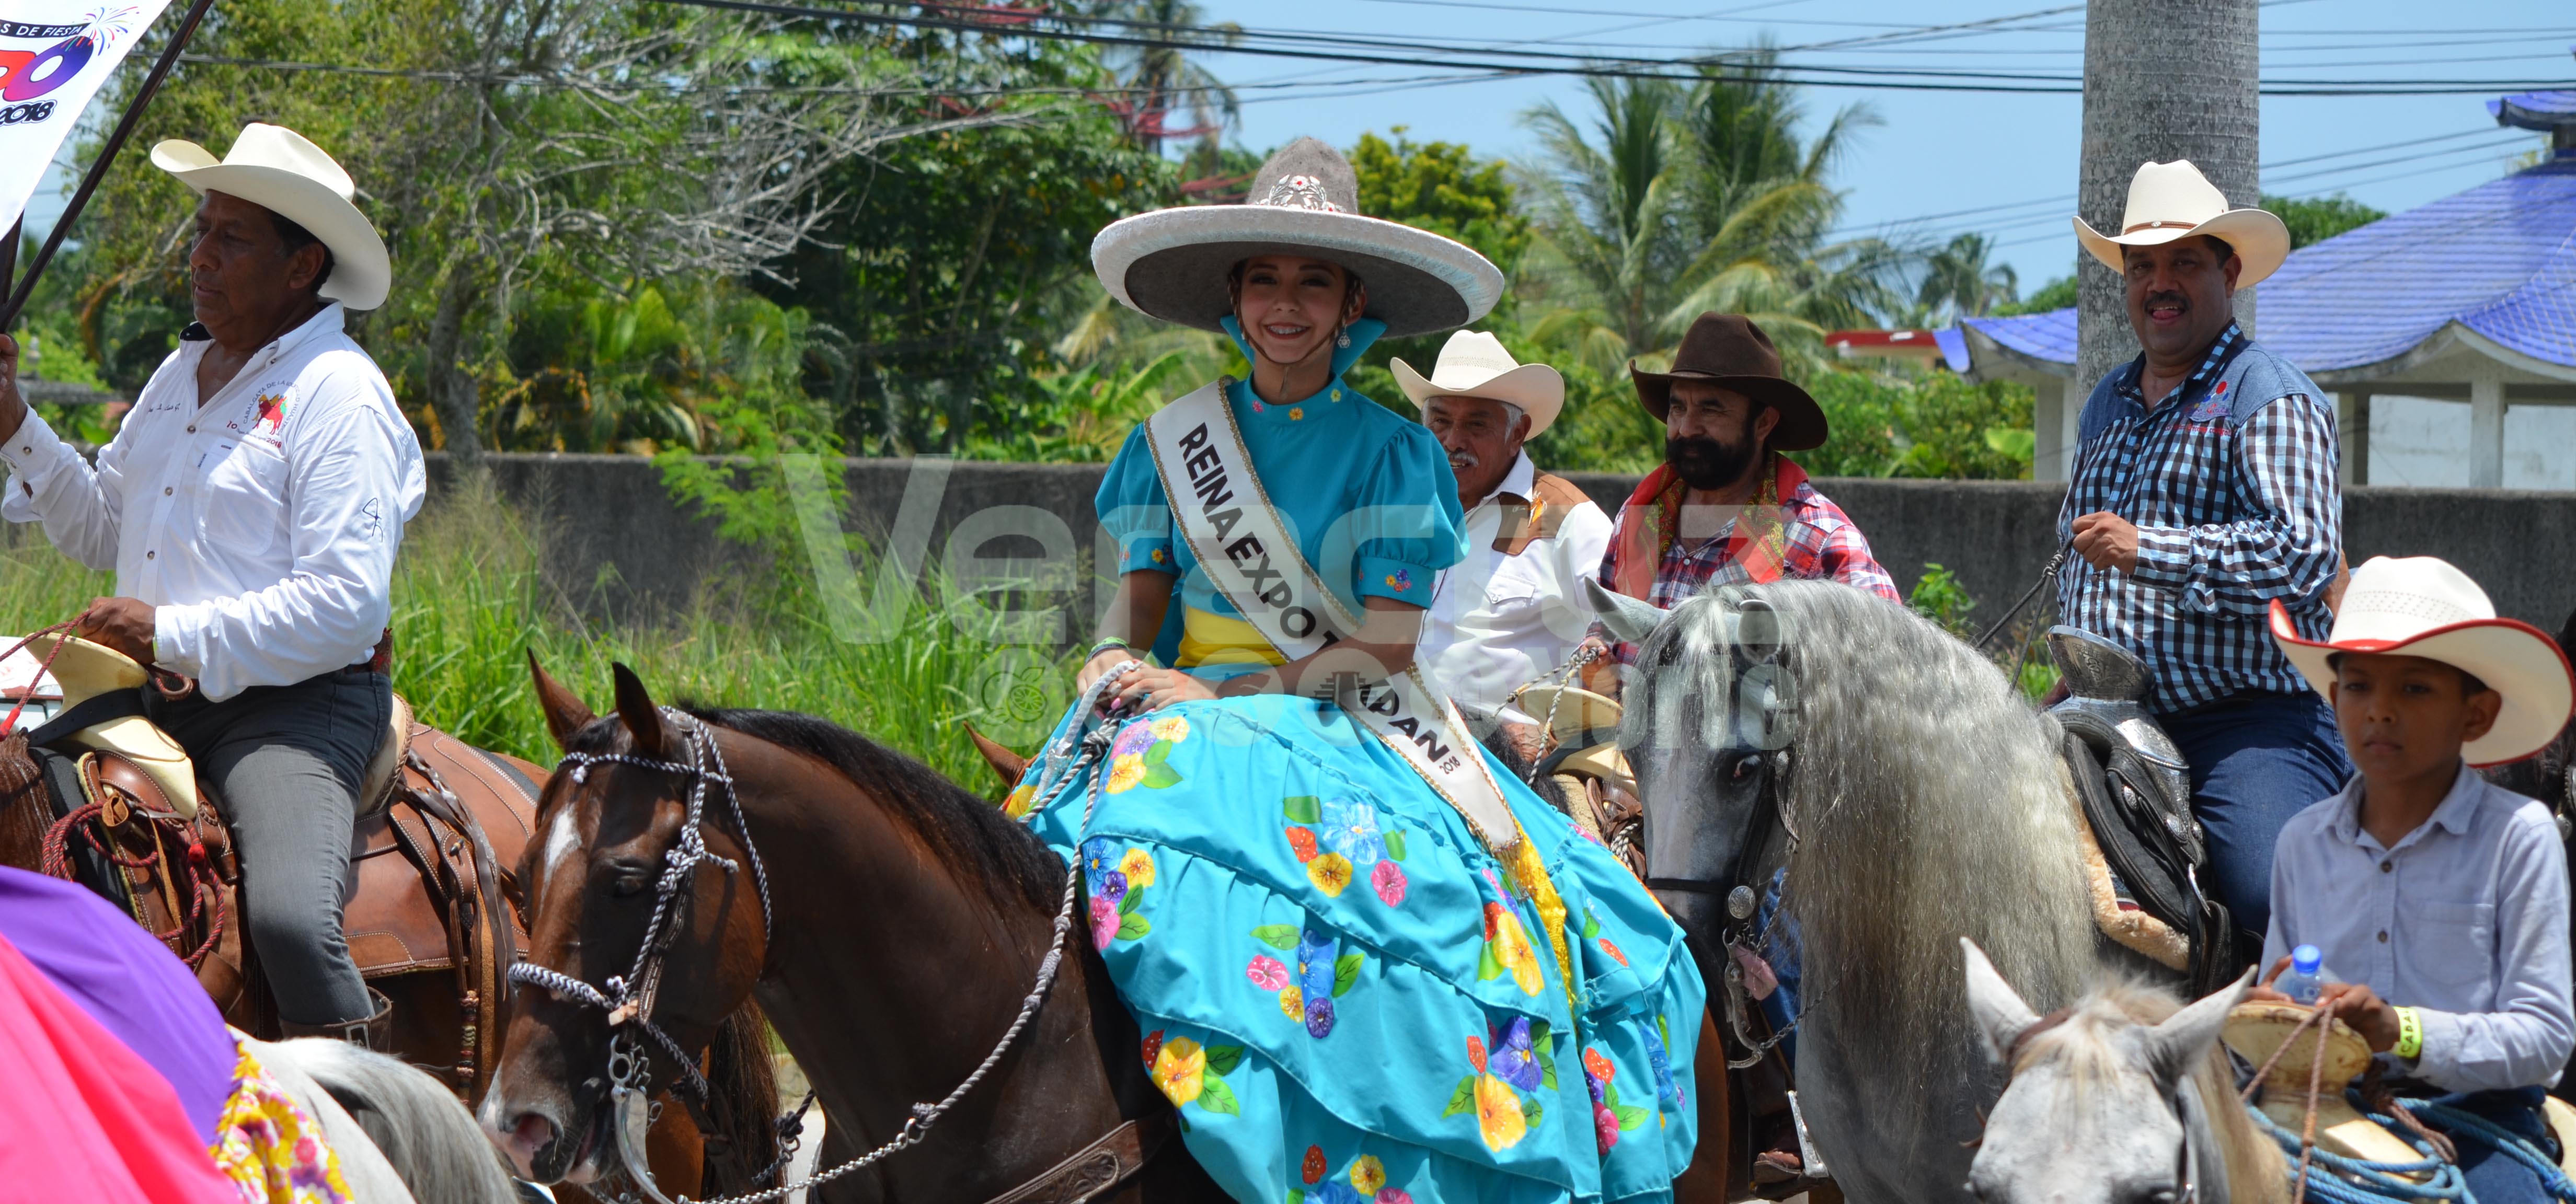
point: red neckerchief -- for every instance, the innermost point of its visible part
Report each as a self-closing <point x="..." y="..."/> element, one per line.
<point x="1650" y="524"/>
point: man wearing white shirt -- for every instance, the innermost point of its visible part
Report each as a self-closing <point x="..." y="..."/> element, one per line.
<point x="252" y="504"/>
<point x="1514" y="607"/>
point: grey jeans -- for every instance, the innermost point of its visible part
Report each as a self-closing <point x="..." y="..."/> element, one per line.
<point x="288" y="761"/>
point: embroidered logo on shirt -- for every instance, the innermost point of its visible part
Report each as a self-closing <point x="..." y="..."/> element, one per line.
<point x="272" y="412"/>
<point x="2210" y="409"/>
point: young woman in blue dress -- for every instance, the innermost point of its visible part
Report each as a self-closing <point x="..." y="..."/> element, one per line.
<point x="1369" y="964"/>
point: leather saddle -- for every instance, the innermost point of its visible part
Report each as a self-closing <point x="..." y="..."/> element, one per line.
<point x="440" y="824"/>
<point x="2146" y="851"/>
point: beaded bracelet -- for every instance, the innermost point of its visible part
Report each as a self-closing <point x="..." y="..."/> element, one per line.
<point x="2410" y="1034"/>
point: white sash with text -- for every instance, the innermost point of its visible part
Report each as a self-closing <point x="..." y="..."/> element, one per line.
<point x="1246" y="551"/>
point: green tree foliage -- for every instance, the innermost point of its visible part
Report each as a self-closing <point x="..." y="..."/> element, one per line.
<point x="2315" y="219"/>
<point x="1958" y="282"/>
<point x="1929" y="425"/>
<point x="2055" y="295"/>
<point x="1443" y="188"/>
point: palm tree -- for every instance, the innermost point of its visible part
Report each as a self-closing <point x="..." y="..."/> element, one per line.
<point x="1697" y="199"/>
<point x="1958" y="282"/>
<point x="1162" y="78"/>
<point x="2163" y="80"/>
<point x="1612" y="221"/>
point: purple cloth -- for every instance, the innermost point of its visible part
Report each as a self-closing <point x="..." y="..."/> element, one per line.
<point x="99" y="958"/>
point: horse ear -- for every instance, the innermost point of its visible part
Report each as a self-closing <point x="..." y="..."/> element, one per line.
<point x="2185" y="1036"/>
<point x="1627" y="618"/>
<point x="1008" y="764"/>
<point x="2000" y="1014"/>
<point x="565" y="712"/>
<point x="1760" y="630"/>
<point x="636" y="710"/>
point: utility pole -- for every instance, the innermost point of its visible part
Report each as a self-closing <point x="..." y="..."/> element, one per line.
<point x="2163" y="80"/>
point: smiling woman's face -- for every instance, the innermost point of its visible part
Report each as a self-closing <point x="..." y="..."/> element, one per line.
<point x="1291" y="307"/>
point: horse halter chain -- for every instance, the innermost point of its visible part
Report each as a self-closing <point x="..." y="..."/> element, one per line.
<point x="629" y="998"/>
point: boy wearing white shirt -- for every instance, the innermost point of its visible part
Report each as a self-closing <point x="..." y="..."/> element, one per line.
<point x="252" y="503"/>
<point x="2440" y="900"/>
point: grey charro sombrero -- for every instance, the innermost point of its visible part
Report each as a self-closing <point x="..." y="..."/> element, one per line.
<point x="1172" y="263"/>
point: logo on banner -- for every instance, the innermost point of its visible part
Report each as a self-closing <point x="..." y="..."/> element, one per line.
<point x="27" y="77"/>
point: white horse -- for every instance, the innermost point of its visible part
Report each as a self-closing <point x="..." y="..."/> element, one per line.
<point x="400" y="1134"/>
<point x="2124" y="1098"/>
<point x="1913" y="796"/>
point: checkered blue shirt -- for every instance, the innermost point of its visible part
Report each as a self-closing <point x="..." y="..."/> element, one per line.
<point x="2230" y="480"/>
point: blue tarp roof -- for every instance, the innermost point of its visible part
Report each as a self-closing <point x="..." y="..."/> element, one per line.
<point x="2500" y="259"/>
<point x="2535" y="110"/>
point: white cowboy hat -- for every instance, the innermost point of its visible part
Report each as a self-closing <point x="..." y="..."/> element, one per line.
<point x="2422" y="606"/>
<point x="1474" y="364"/>
<point x="2173" y="200"/>
<point x="1172" y="263"/>
<point x="278" y="169"/>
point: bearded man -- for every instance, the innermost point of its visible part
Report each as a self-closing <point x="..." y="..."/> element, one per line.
<point x="251" y="504"/>
<point x="1514" y="608"/>
<point x="1726" y="507"/>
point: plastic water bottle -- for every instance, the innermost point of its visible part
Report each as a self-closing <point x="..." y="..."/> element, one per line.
<point x="2307" y="976"/>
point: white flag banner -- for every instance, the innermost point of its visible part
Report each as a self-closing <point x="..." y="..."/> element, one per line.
<point x="54" y="54"/>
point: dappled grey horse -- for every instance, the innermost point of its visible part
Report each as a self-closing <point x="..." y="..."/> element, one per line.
<point x="2124" y="1098"/>
<point x="1913" y="797"/>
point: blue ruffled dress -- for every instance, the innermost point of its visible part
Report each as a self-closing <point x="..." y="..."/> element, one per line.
<point x="1346" y="995"/>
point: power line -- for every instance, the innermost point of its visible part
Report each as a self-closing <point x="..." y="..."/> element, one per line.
<point x="1463" y="59"/>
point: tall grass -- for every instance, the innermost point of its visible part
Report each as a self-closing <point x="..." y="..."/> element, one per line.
<point x="472" y="599"/>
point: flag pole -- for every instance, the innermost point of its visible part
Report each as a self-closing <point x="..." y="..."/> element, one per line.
<point x="98" y="167"/>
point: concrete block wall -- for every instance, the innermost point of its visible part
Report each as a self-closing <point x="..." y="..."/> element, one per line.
<point x="624" y="546"/>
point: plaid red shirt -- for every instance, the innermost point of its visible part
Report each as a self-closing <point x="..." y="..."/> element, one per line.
<point x="1818" y="541"/>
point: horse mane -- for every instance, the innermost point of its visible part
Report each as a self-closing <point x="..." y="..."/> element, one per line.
<point x="969" y="833"/>
<point x="2256" y="1172"/>
<point x="1929" y="804"/>
<point x="427" y="1138"/>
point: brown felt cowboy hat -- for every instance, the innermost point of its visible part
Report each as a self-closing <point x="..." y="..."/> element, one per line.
<point x="1729" y="351"/>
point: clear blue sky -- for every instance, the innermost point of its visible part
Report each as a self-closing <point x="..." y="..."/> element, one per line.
<point x="1938" y="153"/>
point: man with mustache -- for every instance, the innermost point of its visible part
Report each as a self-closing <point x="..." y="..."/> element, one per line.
<point x="2205" y="493"/>
<point x="1726" y="507"/>
<point x="1514" y="608"/>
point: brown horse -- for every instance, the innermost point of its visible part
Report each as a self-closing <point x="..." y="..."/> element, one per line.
<point x="430" y="1028"/>
<point x="889" y="923"/>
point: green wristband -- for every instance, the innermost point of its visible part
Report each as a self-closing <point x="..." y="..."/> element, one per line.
<point x="1107" y="644"/>
<point x="2410" y="1034"/>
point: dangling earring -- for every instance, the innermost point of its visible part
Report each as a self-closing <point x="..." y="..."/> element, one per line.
<point x="1343" y="340"/>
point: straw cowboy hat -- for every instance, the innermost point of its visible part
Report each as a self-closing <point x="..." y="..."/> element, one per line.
<point x="2173" y="200"/>
<point x="1474" y="364"/>
<point x="1172" y="263"/>
<point x="2422" y="606"/>
<point x="1729" y="351"/>
<point x="279" y="170"/>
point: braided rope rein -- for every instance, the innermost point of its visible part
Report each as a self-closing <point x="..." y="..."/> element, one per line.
<point x="1087" y="742"/>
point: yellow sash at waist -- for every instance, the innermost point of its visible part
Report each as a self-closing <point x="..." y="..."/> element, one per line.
<point x="1208" y="638"/>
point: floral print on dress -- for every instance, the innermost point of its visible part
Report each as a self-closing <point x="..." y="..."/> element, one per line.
<point x="1306" y="984"/>
<point x="1020" y="801"/>
<point x="1362" y="1182"/>
<point x="1189" y="1073"/>
<point x="1520" y="1058"/>
<point x="1508" y="951"/>
<point x="1592" y="933"/>
<point x="1609" y="1116"/>
<point x="269" y="1145"/>
<point x="1340" y="841"/>
<point x="1115" y="886"/>
<point x="1139" y="756"/>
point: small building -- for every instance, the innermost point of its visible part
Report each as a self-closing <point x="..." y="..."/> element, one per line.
<point x="2469" y="300"/>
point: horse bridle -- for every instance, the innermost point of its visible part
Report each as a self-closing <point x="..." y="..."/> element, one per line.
<point x="628" y="999"/>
